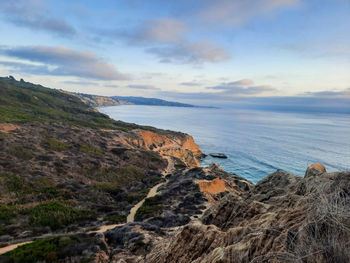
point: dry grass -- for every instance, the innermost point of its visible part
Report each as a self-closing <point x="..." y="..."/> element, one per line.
<point x="325" y="235"/>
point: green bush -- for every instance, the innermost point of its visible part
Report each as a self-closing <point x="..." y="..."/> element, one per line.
<point x="130" y="170"/>
<point x="7" y="213"/>
<point x="116" y="219"/>
<point x="55" y="214"/>
<point x="21" y="153"/>
<point x="149" y="208"/>
<point x="108" y="187"/>
<point x="135" y="197"/>
<point x="47" y="193"/>
<point x="124" y="129"/>
<point x="56" y="144"/>
<point x="17" y="185"/>
<point x="41" y="250"/>
<point x="93" y="150"/>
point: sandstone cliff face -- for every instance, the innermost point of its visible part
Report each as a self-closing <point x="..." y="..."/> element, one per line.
<point x="166" y="143"/>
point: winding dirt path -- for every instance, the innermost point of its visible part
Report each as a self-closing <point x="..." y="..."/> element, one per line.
<point x="151" y="193"/>
<point x="130" y="218"/>
<point x="4" y="250"/>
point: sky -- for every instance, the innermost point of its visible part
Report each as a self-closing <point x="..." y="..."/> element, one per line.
<point x="222" y="52"/>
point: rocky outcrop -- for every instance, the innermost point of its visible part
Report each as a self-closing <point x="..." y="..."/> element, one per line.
<point x="282" y="219"/>
<point x="315" y="170"/>
<point x="183" y="196"/>
<point x="166" y="143"/>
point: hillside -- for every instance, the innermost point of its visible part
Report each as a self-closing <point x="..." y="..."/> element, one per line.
<point x="99" y="101"/>
<point x="22" y="102"/>
<point x="152" y="101"/>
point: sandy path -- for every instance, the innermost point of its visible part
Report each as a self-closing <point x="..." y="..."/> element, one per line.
<point x="3" y="250"/>
<point x="151" y="193"/>
<point x="130" y="218"/>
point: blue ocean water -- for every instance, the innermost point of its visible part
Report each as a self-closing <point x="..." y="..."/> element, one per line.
<point x="256" y="142"/>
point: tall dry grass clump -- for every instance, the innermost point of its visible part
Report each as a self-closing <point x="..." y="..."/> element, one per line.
<point x="325" y="237"/>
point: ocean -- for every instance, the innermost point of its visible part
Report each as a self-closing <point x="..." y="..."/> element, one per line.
<point x="257" y="143"/>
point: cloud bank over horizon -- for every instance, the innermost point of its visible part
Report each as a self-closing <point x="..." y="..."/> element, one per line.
<point x="205" y="52"/>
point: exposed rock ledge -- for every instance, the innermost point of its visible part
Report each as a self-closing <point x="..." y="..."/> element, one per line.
<point x="166" y="143"/>
<point x="283" y="218"/>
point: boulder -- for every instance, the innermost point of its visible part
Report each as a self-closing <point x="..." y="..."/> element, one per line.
<point x="315" y="169"/>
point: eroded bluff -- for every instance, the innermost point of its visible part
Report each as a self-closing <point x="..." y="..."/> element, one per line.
<point x="282" y="219"/>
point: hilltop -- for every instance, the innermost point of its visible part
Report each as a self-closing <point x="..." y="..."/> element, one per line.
<point x="23" y="102"/>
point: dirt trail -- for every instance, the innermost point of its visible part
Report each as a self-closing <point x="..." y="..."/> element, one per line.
<point x="151" y="193"/>
<point x="130" y="218"/>
<point x="3" y="250"/>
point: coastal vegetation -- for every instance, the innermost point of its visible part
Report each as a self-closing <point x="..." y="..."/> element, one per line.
<point x="56" y="214"/>
<point x="22" y="102"/>
<point x="150" y="206"/>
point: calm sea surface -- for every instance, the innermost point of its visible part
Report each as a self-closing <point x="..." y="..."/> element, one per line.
<point x="256" y="143"/>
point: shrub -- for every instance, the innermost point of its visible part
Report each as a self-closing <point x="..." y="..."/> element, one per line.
<point x="90" y="149"/>
<point x="325" y="236"/>
<point x="21" y="153"/>
<point x="17" y="185"/>
<point x="124" y="129"/>
<point x="7" y="213"/>
<point x="55" y="214"/>
<point x="41" y="250"/>
<point x="136" y="197"/>
<point x="116" y="219"/>
<point x="56" y="144"/>
<point x="149" y="208"/>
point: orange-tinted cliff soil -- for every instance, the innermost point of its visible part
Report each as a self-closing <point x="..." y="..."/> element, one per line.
<point x="178" y="145"/>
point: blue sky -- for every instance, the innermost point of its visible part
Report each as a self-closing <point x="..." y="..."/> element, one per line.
<point x="204" y="52"/>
